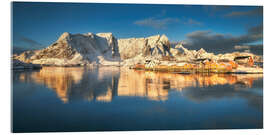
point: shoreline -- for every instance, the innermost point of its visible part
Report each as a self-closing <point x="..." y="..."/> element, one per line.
<point x="166" y="70"/>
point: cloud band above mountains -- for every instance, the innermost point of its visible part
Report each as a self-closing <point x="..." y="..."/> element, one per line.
<point x="255" y="12"/>
<point x="218" y="42"/>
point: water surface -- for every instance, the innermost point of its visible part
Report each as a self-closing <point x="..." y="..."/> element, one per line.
<point x="110" y="98"/>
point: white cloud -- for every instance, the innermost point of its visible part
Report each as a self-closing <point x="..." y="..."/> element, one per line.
<point x="193" y="22"/>
<point x="156" y="23"/>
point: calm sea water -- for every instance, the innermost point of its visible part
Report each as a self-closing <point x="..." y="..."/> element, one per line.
<point x="109" y="98"/>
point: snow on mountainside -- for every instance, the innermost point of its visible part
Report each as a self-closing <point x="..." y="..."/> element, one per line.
<point x="153" y="45"/>
<point x="76" y="49"/>
<point x="105" y="49"/>
<point x="95" y="49"/>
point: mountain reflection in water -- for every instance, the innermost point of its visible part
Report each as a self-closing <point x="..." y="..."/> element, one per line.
<point x="104" y="83"/>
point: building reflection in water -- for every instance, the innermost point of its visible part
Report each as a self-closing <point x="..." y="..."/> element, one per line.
<point x="104" y="83"/>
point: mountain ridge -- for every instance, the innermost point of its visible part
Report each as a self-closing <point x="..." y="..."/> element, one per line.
<point x="104" y="49"/>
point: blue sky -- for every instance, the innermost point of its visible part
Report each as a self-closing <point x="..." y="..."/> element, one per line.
<point x="40" y="24"/>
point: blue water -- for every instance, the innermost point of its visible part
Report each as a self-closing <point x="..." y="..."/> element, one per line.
<point x="109" y="99"/>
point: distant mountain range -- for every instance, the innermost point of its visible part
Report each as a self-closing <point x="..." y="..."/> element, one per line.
<point x="105" y="49"/>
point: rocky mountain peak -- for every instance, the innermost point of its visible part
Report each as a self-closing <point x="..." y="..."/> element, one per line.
<point x="182" y="50"/>
<point x="65" y="35"/>
<point x="179" y="46"/>
<point x="112" y="42"/>
<point x="201" y="51"/>
<point x="153" y="40"/>
<point x="106" y="34"/>
<point x="75" y="49"/>
<point x="131" y="47"/>
<point x="164" y="40"/>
